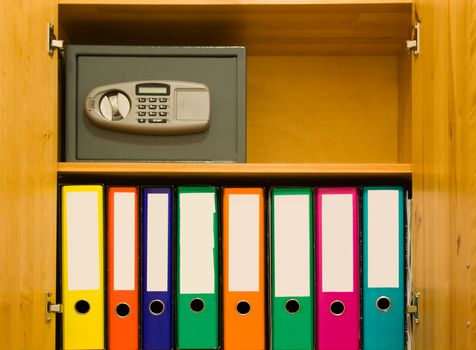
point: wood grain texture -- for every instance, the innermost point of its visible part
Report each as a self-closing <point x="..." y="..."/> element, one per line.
<point x="237" y="2"/>
<point x="444" y="174"/>
<point x="265" y="28"/>
<point x="462" y="109"/>
<point x="28" y="177"/>
<point x="235" y="169"/>
<point x="404" y="73"/>
<point x="322" y="109"/>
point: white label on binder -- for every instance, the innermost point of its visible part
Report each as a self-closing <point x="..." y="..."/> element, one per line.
<point x="197" y="268"/>
<point x="383" y="239"/>
<point x="82" y="220"/>
<point x="337" y="243"/>
<point x="243" y="242"/>
<point x="292" y="247"/>
<point x="124" y="240"/>
<point x="157" y="242"/>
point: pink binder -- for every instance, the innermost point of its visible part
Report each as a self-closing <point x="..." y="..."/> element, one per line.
<point x="337" y="266"/>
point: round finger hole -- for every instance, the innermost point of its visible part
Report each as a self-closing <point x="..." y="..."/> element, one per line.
<point x="383" y="304"/>
<point x="197" y="305"/>
<point x="156" y="307"/>
<point x="292" y="306"/>
<point x="243" y="307"/>
<point x="123" y="310"/>
<point x="337" y="308"/>
<point x="82" y="307"/>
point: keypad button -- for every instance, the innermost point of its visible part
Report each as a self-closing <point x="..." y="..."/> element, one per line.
<point x="152" y="107"/>
<point x="141" y="106"/>
<point x="162" y="99"/>
<point x="152" y="114"/>
<point x="141" y="99"/>
<point x="152" y="100"/>
<point x="141" y="114"/>
<point x="141" y="120"/>
<point x="157" y="120"/>
<point x="163" y="106"/>
<point x="163" y="114"/>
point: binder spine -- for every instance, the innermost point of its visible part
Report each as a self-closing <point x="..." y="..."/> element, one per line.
<point x="292" y="309"/>
<point x="243" y="269"/>
<point x="123" y="260"/>
<point x="157" y="298"/>
<point x="197" y="291"/>
<point x="338" y="293"/>
<point x="384" y="306"/>
<point x="83" y="266"/>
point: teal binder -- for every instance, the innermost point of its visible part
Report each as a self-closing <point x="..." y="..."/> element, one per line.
<point x="383" y="268"/>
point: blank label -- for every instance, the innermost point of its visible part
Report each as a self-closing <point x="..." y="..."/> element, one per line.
<point x="243" y="244"/>
<point x="337" y="243"/>
<point x="197" y="268"/>
<point x="157" y="241"/>
<point x="291" y="245"/>
<point x="82" y="227"/>
<point x="124" y="240"/>
<point x="383" y="238"/>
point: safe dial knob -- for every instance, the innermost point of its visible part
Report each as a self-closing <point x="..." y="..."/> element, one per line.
<point x="114" y="106"/>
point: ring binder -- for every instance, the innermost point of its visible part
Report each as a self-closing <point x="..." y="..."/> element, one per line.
<point x="338" y="309"/>
<point x="243" y="269"/>
<point x="83" y="269"/>
<point x="157" y="268"/>
<point x="383" y="268"/>
<point x="292" y="307"/>
<point x="197" y="295"/>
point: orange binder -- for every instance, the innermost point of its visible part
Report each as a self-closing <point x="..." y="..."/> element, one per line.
<point x="123" y="291"/>
<point x="243" y="268"/>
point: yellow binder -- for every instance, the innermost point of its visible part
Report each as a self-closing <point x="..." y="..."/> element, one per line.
<point x="82" y="267"/>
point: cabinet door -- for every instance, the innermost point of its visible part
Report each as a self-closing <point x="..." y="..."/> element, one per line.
<point x="444" y="174"/>
<point x="28" y="158"/>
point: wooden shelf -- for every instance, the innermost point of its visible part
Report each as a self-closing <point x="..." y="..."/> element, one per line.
<point x="249" y="170"/>
<point x="318" y="27"/>
<point x="234" y="2"/>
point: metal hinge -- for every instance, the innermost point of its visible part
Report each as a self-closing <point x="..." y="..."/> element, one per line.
<point x="51" y="308"/>
<point x="53" y="43"/>
<point x="413" y="308"/>
<point x="414" y="44"/>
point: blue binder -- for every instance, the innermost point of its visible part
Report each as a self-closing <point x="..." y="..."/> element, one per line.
<point x="383" y="268"/>
<point x="157" y="268"/>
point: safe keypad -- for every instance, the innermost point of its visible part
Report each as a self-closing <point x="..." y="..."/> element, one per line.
<point x="148" y="107"/>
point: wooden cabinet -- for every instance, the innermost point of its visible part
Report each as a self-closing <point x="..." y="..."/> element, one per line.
<point x="331" y="94"/>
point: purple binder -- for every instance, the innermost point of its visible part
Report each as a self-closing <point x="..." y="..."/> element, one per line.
<point x="157" y="269"/>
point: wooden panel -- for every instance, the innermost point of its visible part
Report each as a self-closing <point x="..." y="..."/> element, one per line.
<point x="28" y="180"/>
<point x="268" y="28"/>
<point x="462" y="130"/>
<point x="216" y="170"/>
<point x="236" y="2"/>
<point x="405" y="107"/>
<point x="322" y="109"/>
<point x="444" y="174"/>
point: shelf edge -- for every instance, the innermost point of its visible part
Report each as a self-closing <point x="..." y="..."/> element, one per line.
<point x="234" y="169"/>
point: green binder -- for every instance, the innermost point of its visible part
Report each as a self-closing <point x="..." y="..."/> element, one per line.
<point x="292" y="271"/>
<point x="197" y="269"/>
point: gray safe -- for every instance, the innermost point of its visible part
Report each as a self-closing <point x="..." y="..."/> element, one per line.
<point x="137" y="103"/>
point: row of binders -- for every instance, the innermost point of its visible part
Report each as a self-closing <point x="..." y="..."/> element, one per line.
<point x="164" y="268"/>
